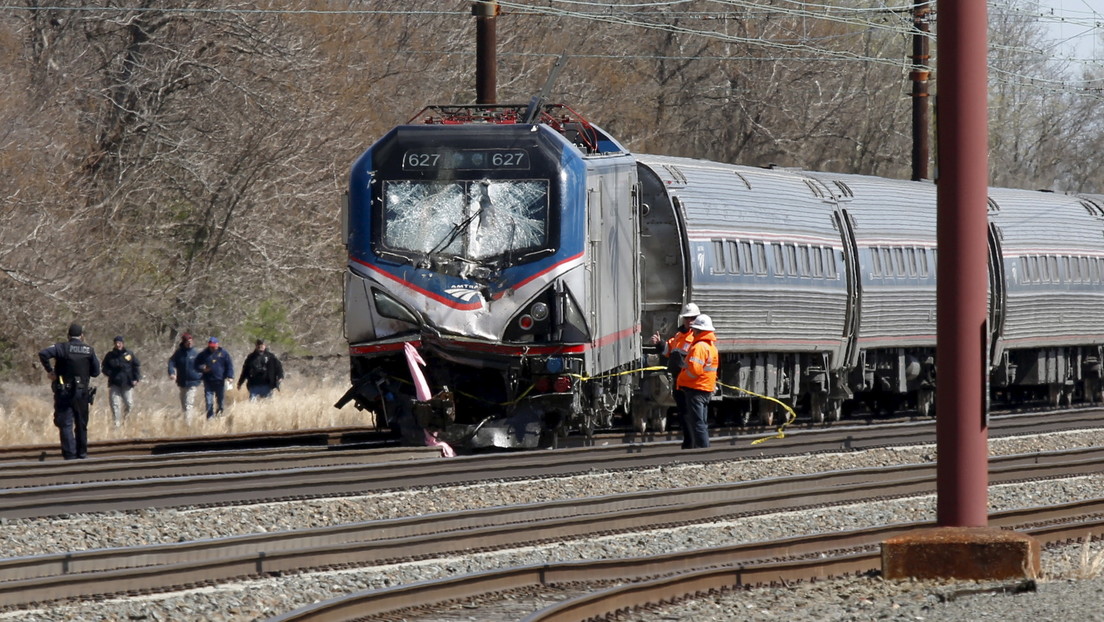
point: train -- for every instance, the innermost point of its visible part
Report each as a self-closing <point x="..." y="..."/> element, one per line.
<point x="528" y="257"/>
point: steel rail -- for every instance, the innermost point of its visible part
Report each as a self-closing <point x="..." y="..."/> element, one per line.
<point x="159" y="567"/>
<point x="218" y="442"/>
<point x="34" y="474"/>
<point x="299" y="483"/>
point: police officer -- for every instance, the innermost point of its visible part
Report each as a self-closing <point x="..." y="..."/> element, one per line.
<point x="218" y="370"/>
<point x="75" y="363"/>
<point x="124" y="372"/>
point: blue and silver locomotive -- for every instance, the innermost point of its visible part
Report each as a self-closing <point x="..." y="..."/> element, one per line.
<point x="526" y="255"/>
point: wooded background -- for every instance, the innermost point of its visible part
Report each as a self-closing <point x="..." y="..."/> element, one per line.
<point x="179" y="166"/>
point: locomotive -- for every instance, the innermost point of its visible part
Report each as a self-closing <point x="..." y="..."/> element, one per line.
<point x="528" y="256"/>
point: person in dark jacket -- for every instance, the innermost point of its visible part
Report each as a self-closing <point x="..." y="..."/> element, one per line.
<point x="675" y="349"/>
<point x="183" y="372"/>
<point x="74" y="365"/>
<point x="261" y="372"/>
<point x="123" y="371"/>
<point x="218" y="371"/>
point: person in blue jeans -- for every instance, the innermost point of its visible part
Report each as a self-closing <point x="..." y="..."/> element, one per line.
<point x="217" y="368"/>
<point x="183" y="372"/>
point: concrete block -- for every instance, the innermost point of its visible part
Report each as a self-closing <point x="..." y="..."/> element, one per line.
<point x="966" y="553"/>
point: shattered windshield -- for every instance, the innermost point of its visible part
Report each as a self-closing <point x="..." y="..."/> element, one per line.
<point x="476" y="220"/>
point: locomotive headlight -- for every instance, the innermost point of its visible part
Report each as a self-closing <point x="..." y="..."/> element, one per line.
<point x="539" y="311"/>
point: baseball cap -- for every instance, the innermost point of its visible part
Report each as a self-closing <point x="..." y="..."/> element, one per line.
<point x="185" y="336"/>
<point x="75" y="330"/>
<point x="213" y="340"/>
<point x="119" y="338"/>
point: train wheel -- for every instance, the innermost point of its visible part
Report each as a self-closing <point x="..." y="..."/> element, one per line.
<point x="659" y="420"/>
<point x="1092" y="390"/>
<point x="766" y="413"/>
<point x="1054" y="394"/>
<point x="925" y="399"/>
<point x="835" y="410"/>
<point x="817" y="403"/>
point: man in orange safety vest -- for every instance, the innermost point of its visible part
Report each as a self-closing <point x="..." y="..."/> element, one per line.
<point x="698" y="379"/>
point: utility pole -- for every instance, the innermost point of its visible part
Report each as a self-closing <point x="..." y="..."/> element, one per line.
<point x="921" y="111"/>
<point x="486" y="61"/>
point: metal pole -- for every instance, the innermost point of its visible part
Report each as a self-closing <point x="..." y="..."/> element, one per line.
<point x="961" y="427"/>
<point x="921" y="115"/>
<point x="485" y="51"/>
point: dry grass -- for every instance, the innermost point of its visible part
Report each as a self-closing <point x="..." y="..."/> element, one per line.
<point x="1091" y="565"/>
<point x="26" y="412"/>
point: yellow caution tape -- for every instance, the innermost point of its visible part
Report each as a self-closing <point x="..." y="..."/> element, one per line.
<point x="781" y="431"/>
<point x="782" y="428"/>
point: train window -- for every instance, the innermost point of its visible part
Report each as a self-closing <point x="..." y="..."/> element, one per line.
<point x="899" y="255"/>
<point x="1084" y="261"/>
<point x="731" y="247"/>
<point x="760" y="258"/>
<point x="791" y="260"/>
<point x="746" y="260"/>
<point x="1094" y="269"/>
<point x="876" y="262"/>
<point x="1025" y="270"/>
<point x="719" y="257"/>
<point x="887" y="261"/>
<point x="467" y="219"/>
<point x="1052" y="269"/>
<point x="803" y="265"/>
<point x="1036" y="270"/>
<point x="911" y="261"/>
<point x="830" y="268"/>
<point x="922" y="262"/>
<point x="818" y="261"/>
<point x="779" y="262"/>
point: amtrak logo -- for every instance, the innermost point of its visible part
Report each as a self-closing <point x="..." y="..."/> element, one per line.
<point x="463" y="293"/>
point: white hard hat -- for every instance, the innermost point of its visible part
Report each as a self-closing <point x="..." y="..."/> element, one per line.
<point x="702" y="322"/>
<point x="690" y="310"/>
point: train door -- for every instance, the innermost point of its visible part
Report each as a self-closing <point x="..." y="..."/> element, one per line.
<point x="664" y="268"/>
<point x="997" y="298"/>
<point x="839" y="392"/>
<point x="612" y="226"/>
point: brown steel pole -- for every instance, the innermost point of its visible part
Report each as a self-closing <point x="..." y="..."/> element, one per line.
<point x="485" y="52"/>
<point x="962" y="426"/>
<point x="921" y="115"/>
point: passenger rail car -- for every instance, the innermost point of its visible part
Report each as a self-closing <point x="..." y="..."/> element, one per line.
<point x="528" y="256"/>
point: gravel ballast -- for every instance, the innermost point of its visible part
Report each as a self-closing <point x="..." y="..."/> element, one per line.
<point x="861" y="598"/>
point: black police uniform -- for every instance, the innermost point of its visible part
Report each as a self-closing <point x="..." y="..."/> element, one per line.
<point x="75" y="363"/>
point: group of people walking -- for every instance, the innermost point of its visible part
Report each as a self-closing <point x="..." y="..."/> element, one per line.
<point x="692" y="360"/>
<point x="72" y="364"/>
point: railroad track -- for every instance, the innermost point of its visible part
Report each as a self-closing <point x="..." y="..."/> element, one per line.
<point x="231" y="478"/>
<point x="324" y="437"/>
<point x="584" y="591"/>
<point x="32" y="581"/>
